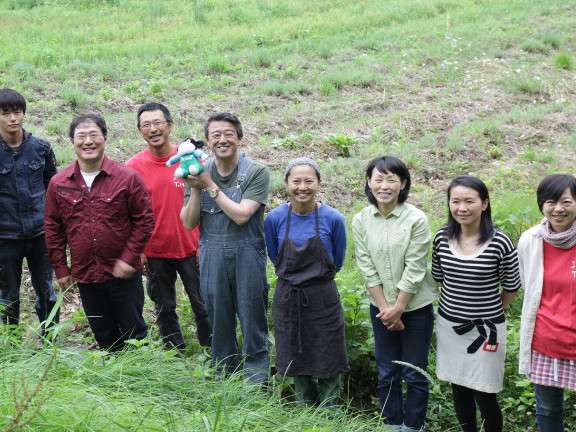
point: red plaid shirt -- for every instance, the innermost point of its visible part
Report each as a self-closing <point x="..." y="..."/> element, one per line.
<point x="111" y="221"/>
<point x="552" y="372"/>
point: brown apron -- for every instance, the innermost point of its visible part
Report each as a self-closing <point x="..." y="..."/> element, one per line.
<point x="308" y="318"/>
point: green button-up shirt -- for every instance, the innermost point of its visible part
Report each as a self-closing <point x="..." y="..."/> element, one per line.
<point x="392" y="251"/>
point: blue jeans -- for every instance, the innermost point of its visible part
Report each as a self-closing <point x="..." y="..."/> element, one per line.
<point x="549" y="408"/>
<point x="411" y="346"/>
<point x="12" y="254"/>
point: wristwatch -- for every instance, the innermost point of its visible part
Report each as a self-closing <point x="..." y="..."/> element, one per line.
<point x="213" y="193"/>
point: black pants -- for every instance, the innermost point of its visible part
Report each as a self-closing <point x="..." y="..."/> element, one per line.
<point x="162" y="290"/>
<point x="12" y="254"/>
<point x="114" y="310"/>
<point x="465" y="401"/>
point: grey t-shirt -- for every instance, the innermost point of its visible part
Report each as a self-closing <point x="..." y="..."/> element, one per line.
<point x="254" y="187"/>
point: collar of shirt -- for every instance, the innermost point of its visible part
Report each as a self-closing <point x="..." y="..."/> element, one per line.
<point x="161" y="160"/>
<point x="107" y="168"/>
<point x="6" y="147"/>
<point x="397" y="212"/>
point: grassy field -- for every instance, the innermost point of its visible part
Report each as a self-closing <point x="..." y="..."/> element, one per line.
<point x="474" y="86"/>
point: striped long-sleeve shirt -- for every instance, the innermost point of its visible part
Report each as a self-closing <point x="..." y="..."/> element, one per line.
<point x="471" y="284"/>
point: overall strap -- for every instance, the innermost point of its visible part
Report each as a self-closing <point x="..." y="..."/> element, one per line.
<point x="209" y="165"/>
<point x="243" y="166"/>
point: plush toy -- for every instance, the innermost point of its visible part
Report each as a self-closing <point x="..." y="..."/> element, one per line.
<point x="192" y="159"/>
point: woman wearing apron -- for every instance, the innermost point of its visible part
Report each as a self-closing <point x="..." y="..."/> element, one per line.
<point x="306" y="241"/>
<point x="477" y="266"/>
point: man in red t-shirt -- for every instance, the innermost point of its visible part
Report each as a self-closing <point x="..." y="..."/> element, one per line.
<point x="172" y="249"/>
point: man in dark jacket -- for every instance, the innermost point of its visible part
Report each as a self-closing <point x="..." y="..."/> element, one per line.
<point x="27" y="164"/>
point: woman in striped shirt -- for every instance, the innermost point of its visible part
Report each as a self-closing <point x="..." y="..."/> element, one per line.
<point x="477" y="266"/>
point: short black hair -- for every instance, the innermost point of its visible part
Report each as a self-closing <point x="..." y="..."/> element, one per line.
<point x="11" y="100"/>
<point x="553" y="186"/>
<point x="88" y="118"/>
<point x="392" y="165"/>
<point x="226" y="117"/>
<point x="153" y="106"/>
<point x="453" y="228"/>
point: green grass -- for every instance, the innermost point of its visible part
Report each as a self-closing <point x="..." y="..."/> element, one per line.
<point x="146" y="389"/>
<point x="452" y="87"/>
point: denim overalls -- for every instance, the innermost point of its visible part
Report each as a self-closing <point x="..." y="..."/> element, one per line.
<point x="233" y="282"/>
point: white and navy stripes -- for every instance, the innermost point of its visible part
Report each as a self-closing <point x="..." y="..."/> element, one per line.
<point x="471" y="285"/>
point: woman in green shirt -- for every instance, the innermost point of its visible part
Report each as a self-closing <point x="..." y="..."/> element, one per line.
<point x="391" y="240"/>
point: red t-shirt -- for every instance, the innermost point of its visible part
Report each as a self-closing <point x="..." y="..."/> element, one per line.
<point x="555" y="331"/>
<point x="170" y="238"/>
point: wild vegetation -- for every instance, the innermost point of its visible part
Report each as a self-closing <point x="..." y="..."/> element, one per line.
<point x="473" y="86"/>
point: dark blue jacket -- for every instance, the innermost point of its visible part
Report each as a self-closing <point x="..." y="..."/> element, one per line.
<point x="24" y="177"/>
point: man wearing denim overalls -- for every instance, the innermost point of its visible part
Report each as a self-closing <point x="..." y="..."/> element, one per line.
<point x="228" y="200"/>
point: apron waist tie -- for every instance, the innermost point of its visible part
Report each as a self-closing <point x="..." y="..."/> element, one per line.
<point x="301" y="300"/>
<point x="480" y="325"/>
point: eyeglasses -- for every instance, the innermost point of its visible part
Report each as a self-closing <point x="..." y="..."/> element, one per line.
<point x="227" y="135"/>
<point x="157" y="125"/>
<point x="92" y="135"/>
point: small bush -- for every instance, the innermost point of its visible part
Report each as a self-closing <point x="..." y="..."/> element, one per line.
<point x="495" y="152"/>
<point x="277" y="88"/>
<point x="552" y="40"/>
<point x="527" y="86"/>
<point x="131" y="88"/>
<point x="23" y="70"/>
<point x="324" y="51"/>
<point x="106" y="94"/>
<point x="24" y="4"/>
<point x="342" y="143"/>
<point x="327" y="88"/>
<point x="534" y="46"/>
<point x="262" y="59"/>
<point x="563" y="61"/>
<point x="218" y="65"/>
<point x="238" y="15"/>
<point x="535" y="155"/>
<point x="73" y="96"/>
<point x="199" y="11"/>
<point x="156" y="89"/>
<point x="54" y="128"/>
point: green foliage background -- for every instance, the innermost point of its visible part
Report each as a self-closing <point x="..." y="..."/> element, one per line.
<point x="484" y="87"/>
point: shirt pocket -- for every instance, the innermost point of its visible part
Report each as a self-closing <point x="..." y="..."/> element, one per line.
<point x="36" y="174"/>
<point x="70" y="202"/>
<point x="113" y="203"/>
<point x="6" y="177"/>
